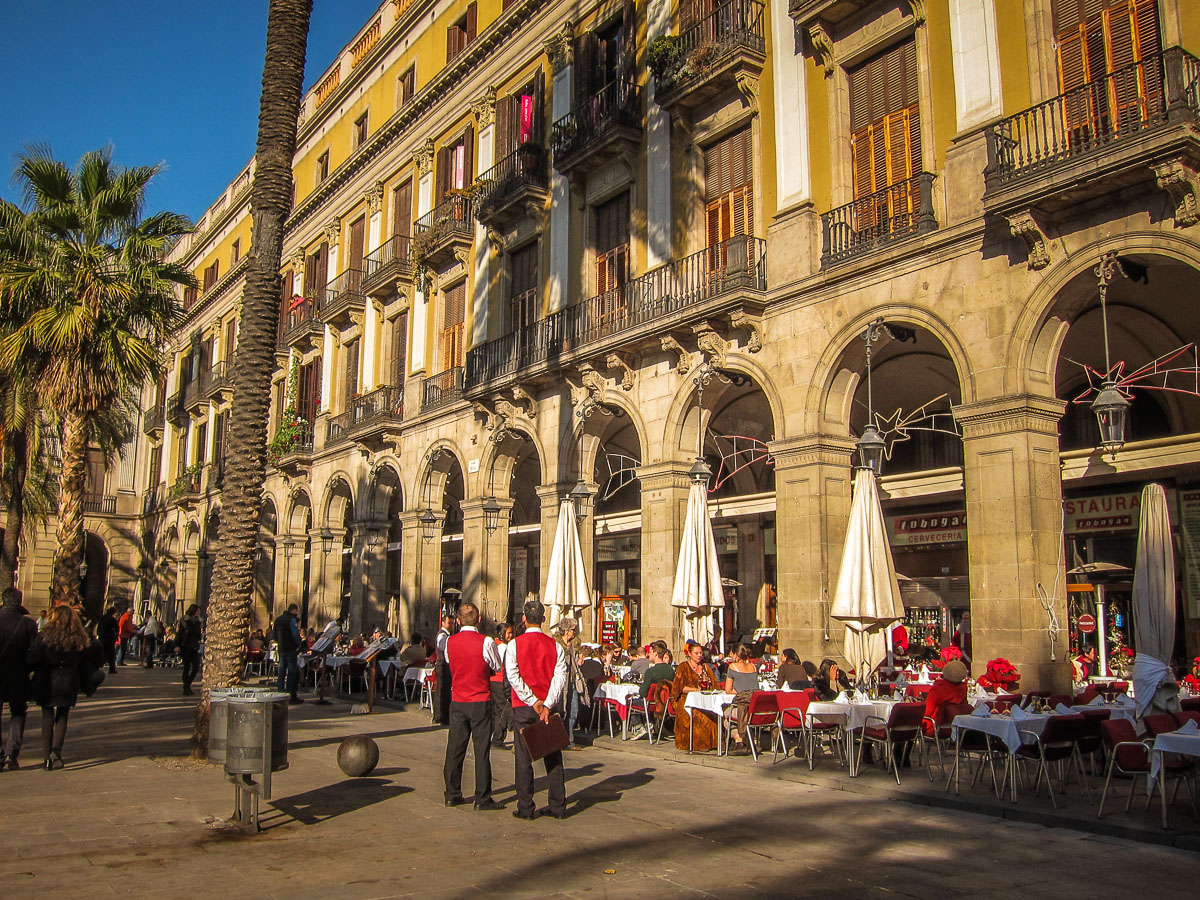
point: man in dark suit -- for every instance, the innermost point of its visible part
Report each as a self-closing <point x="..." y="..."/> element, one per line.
<point x="17" y="631"/>
<point x="536" y="665"/>
<point x="472" y="659"/>
<point x="441" y="710"/>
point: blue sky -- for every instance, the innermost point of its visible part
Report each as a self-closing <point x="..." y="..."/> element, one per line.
<point x="172" y="81"/>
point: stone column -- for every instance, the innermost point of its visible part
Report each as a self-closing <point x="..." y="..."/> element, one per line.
<point x="289" y="572"/>
<point x="560" y="205"/>
<point x="485" y="157"/>
<point x="550" y="496"/>
<point x="1013" y="487"/>
<point x="664" y="506"/>
<point x="485" y="558"/>
<point x="812" y="503"/>
<point x="420" y="575"/>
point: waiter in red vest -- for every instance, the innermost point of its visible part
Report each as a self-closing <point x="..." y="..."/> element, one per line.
<point x="472" y="659"/>
<point x="536" y="665"/>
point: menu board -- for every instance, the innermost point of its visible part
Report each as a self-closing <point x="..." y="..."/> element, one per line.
<point x="1189" y="519"/>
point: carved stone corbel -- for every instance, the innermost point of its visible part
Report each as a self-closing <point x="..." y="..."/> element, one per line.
<point x="586" y="397"/>
<point x="484" y="109"/>
<point x="616" y="362"/>
<point x="1180" y="181"/>
<point x="462" y="254"/>
<point x="374" y="197"/>
<point x="559" y="47"/>
<point x="712" y="345"/>
<point x="536" y="212"/>
<point x="1024" y="226"/>
<point x="496" y="239"/>
<point x="333" y="231"/>
<point x="683" y="361"/>
<point x="739" y="318"/>
<point x="822" y="45"/>
<point x="747" y="85"/>
<point x="423" y="157"/>
<point x="523" y="398"/>
<point x="298" y="262"/>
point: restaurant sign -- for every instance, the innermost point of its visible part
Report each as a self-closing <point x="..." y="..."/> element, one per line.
<point x="1107" y="512"/>
<point x="928" y="528"/>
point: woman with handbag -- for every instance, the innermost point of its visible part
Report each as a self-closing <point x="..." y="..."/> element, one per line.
<point x="65" y="661"/>
<point x="566" y="632"/>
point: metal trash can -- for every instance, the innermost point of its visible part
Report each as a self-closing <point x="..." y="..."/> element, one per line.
<point x="255" y="721"/>
<point x="217" y="722"/>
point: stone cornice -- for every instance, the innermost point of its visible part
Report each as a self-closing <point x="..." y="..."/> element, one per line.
<point x="1004" y="415"/>
<point x="446" y="81"/>
<point x="811" y="449"/>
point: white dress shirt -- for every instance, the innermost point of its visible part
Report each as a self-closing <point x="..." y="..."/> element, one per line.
<point x="557" y="682"/>
<point x="491" y="655"/>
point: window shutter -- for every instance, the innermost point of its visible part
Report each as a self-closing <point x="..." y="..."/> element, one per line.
<point x="315" y="382"/>
<point x="470" y="23"/>
<point x="399" y="349"/>
<point x="584" y="59"/>
<point x="322" y="270"/>
<point x="468" y="142"/>
<point x="452" y="33"/>
<point x="885" y="127"/>
<point x="358" y="236"/>
<point x="539" y="103"/>
<point x="351" y="370"/>
<point x="443" y="173"/>
<point x="230" y="340"/>
<point x="402" y="209"/>
<point x="505" y="107"/>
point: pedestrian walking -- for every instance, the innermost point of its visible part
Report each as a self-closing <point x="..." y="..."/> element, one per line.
<point x="536" y="665"/>
<point x="441" y="710"/>
<point x="126" y="631"/>
<point x="64" y="660"/>
<point x="286" y="633"/>
<point x="472" y="658"/>
<point x="108" y="631"/>
<point x="188" y="638"/>
<point x="17" y="631"/>
<point x="150" y="631"/>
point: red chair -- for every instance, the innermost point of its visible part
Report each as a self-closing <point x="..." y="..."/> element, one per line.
<point x="940" y="732"/>
<point x="1056" y="700"/>
<point x="1131" y="758"/>
<point x="1159" y="723"/>
<point x="1112" y="690"/>
<point x="797" y="718"/>
<point x="1092" y="741"/>
<point x="653" y="707"/>
<point x="763" y="712"/>
<point x="1190" y="704"/>
<point x="1187" y="715"/>
<point x="1058" y="743"/>
<point x="791" y="719"/>
<point x="917" y="691"/>
<point x="1086" y="696"/>
<point x="899" y="729"/>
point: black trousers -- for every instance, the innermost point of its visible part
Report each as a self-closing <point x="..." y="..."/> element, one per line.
<point x="191" y="667"/>
<point x="501" y="709"/>
<point x="469" y="722"/>
<point x="441" y="707"/>
<point x="522" y="716"/>
<point x="110" y="656"/>
<point x="16" y="728"/>
<point x="149" y="646"/>
<point x="54" y="729"/>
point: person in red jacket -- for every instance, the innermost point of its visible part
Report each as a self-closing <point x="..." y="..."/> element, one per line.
<point x="950" y="688"/>
<point x="472" y="658"/>
<point x="536" y="665"/>
<point x="125" y="630"/>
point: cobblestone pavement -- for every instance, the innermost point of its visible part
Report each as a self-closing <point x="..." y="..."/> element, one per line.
<point x="131" y="816"/>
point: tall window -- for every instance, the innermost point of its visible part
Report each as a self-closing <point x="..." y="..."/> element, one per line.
<point x="519" y="116"/>
<point x="399" y="350"/>
<point x="352" y="356"/>
<point x="453" y="326"/>
<point x="354" y="253"/>
<point x="460" y="34"/>
<point x="885" y="124"/>
<point x="402" y="219"/>
<point x="523" y="305"/>
<point x="229" y="347"/>
<point x="454" y="164"/>
<point x="308" y="391"/>
<point x="1113" y="45"/>
<point x="235" y="253"/>
<point x="604" y="56"/>
<point x="406" y="86"/>
<point x="211" y="273"/>
<point x="728" y="193"/>
<point x="612" y="243"/>
<point x="316" y="273"/>
<point x="322" y="167"/>
<point x="360" y="130"/>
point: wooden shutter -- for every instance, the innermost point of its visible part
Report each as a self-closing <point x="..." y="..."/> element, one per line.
<point x="351" y="370"/>
<point x="399" y="349"/>
<point x="285" y="302"/>
<point x="443" y="173"/>
<point x="470" y="36"/>
<point x="219" y="438"/>
<point x="523" y="305"/>
<point x="230" y="345"/>
<point x="453" y="41"/>
<point x="539" y="104"/>
<point x="304" y="406"/>
<point x="322" y="269"/>
<point x="402" y="209"/>
<point x="885" y="128"/>
<point x="468" y="143"/>
<point x="453" y="327"/>
<point x="358" y="236"/>
<point x="507" y="109"/>
<point x="582" y="72"/>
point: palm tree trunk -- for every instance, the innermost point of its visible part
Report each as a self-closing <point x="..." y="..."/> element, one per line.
<point x="69" y="552"/>
<point x="18" y="450"/>
<point x="246" y="448"/>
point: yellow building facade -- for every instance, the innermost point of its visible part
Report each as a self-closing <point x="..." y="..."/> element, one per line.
<point x="538" y="247"/>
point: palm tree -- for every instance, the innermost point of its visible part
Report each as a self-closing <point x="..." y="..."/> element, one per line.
<point x="246" y="466"/>
<point x="28" y="474"/>
<point x="87" y="308"/>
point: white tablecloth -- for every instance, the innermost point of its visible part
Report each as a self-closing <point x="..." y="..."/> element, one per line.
<point x="853" y="713"/>
<point x="713" y="703"/>
<point x="1012" y="732"/>
<point x="336" y="662"/>
<point x="1172" y="742"/>
<point x="385" y="665"/>
<point x="1115" y="712"/>
<point x="618" y="693"/>
<point x="417" y="674"/>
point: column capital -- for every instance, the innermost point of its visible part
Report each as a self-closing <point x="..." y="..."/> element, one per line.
<point x="473" y="508"/>
<point x="812" y="449"/>
<point x="664" y="475"/>
<point x="1008" y="415"/>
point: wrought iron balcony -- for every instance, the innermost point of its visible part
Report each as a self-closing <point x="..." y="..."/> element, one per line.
<point x="652" y="304"/>
<point x="153" y="499"/>
<point x="187" y="488"/>
<point x="897" y="212"/>
<point x="99" y="504"/>
<point x="176" y="408"/>
<point x="598" y="128"/>
<point x="707" y="58"/>
<point x="448" y="226"/>
<point x="387" y="265"/>
<point x="152" y="418"/>
<point x="302" y="323"/>
<point x="1098" y="138"/>
<point x="442" y="389"/>
<point x="367" y="414"/>
<point x="220" y="378"/>
<point x="517" y="179"/>
<point x="343" y="297"/>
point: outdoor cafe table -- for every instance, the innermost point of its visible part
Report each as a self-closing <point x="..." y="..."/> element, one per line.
<point x="852" y="715"/>
<point x="618" y="694"/>
<point x="713" y="703"/>
<point x="1116" y="711"/>
<point x="1171" y="742"/>
<point x="415" y="675"/>
<point x="1009" y="731"/>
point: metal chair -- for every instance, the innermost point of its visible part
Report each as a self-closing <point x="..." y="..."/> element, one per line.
<point x="1131" y="757"/>
<point x="899" y="729"/>
<point x="763" y="712"/>
<point x="940" y="732"/>
<point x="1058" y="743"/>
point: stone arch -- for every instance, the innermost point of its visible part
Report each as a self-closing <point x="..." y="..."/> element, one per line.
<point x="382" y="492"/>
<point x="338" y="500"/>
<point x="435" y="467"/>
<point x="298" y="510"/>
<point x="589" y="430"/>
<point x="97" y="557"/>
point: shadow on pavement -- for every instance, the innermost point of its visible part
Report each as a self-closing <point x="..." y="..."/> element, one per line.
<point x="337" y="739"/>
<point x="324" y="803"/>
<point x="610" y="789"/>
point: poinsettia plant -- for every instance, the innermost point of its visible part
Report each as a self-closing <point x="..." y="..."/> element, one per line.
<point x="948" y="654"/>
<point x="1000" y="674"/>
<point x="1192" y="679"/>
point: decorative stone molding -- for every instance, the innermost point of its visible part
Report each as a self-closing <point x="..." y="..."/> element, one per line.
<point x="333" y="231"/>
<point x="711" y="344"/>
<point x="739" y="318"/>
<point x="1024" y="226"/>
<point x="462" y="254"/>
<point x="423" y="157"/>
<point x="587" y="396"/>
<point x="298" y="262"/>
<point x="616" y="362"/>
<point x="1179" y="179"/>
<point x="822" y="44"/>
<point x="496" y="239"/>
<point x="484" y="109"/>
<point x="374" y="197"/>
<point x="747" y="85"/>
<point x="683" y="360"/>
<point x="1009" y="415"/>
<point x="524" y="399"/>
<point x="559" y="47"/>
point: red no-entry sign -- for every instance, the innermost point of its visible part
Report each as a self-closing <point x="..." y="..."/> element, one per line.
<point x="1087" y="623"/>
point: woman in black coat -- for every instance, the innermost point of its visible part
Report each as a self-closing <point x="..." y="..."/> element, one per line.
<point x="63" y="659"/>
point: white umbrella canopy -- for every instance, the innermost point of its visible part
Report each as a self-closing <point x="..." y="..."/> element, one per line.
<point x="566" y="581"/>
<point x="697" y="588"/>
<point x="867" y="598"/>
<point x="1153" y="597"/>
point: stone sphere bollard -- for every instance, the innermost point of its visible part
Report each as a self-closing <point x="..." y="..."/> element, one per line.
<point x="358" y="755"/>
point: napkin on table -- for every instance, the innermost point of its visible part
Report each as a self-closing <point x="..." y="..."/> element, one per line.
<point x="1188" y="727"/>
<point x="1096" y="701"/>
<point x="982" y="711"/>
<point x="842" y="697"/>
<point x="1062" y="709"/>
<point x="1126" y="701"/>
<point x="1019" y="714"/>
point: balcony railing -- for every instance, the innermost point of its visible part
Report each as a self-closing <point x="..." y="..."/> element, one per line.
<point x="524" y="167"/>
<point x="617" y="104"/>
<point x="454" y="215"/>
<point x="1095" y="116"/>
<point x="441" y="389"/>
<point x="700" y="48"/>
<point x="384" y="404"/>
<point x="389" y="259"/>
<point x="176" y="407"/>
<point x="303" y="316"/>
<point x="898" y="211"/>
<point x="220" y="376"/>
<point x="153" y="499"/>
<point x="152" y="417"/>
<point x="342" y="294"/>
<point x="738" y="263"/>
<point x="99" y="504"/>
<point x="186" y="486"/>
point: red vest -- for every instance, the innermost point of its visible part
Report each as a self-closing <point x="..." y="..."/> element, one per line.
<point x="468" y="669"/>
<point x="537" y="654"/>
